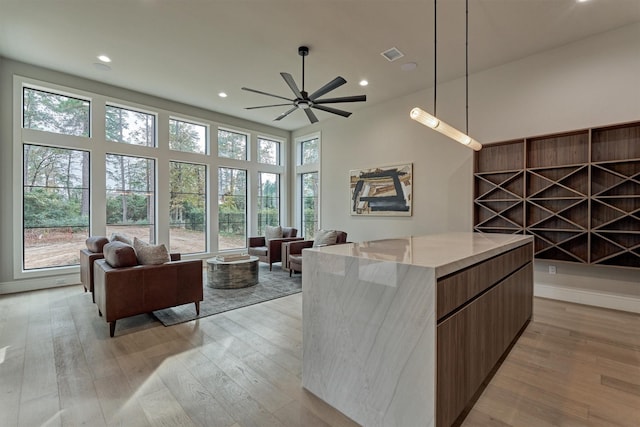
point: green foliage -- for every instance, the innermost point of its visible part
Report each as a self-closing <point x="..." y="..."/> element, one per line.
<point x="55" y="113"/>
<point x="43" y="208"/>
<point x="137" y="209"/>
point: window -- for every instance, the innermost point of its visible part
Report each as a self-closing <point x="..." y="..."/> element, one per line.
<point x="54" y="113"/>
<point x="55" y="206"/>
<point x="189" y="137"/>
<point x="268" y="200"/>
<point x="309" y="214"/>
<point x="310" y="152"/>
<point x="232" y="208"/>
<point x="131" y="196"/>
<point x="188" y="209"/>
<point x="130" y="127"/>
<point x="268" y="151"/>
<point x="232" y="145"/>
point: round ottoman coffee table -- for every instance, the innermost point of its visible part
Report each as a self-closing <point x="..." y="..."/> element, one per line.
<point x="232" y="274"/>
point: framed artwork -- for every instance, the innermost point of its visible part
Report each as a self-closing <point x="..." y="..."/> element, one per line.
<point x="382" y="191"/>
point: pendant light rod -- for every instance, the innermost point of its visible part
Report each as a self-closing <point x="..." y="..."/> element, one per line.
<point x="466" y="63"/>
<point x="432" y="121"/>
<point x="435" y="57"/>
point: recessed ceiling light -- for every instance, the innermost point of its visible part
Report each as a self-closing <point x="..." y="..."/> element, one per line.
<point x="104" y="58"/>
<point x="222" y="95"/>
<point x="582" y="1"/>
<point x="409" y="66"/>
<point x="363" y="82"/>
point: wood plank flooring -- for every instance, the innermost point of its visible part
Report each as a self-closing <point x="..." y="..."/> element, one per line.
<point x="573" y="366"/>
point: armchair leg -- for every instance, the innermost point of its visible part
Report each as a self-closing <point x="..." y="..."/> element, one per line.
<point x="270" y="265"/>
<point x="197" y="303"/>
<point x="290" y="271"/>
<point x="112" y="328"/>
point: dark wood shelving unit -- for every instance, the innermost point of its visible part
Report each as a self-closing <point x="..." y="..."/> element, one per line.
<point x="577" y="193"/>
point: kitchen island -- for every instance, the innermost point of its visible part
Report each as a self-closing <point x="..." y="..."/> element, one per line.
<point x="402" y="332"/>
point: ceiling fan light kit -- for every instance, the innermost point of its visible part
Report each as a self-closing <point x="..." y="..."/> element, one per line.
<point x="432" y="121"/>
<point x="304" y="101"/>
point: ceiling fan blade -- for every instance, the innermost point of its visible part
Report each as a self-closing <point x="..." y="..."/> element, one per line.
<point x="312" y="117"/>
<point x="285" y="114"/>
<point x="355" y="98"/>
<point x="292" y="84"/>
<point x="266" y="106"/>
<point x="333" y="84"/>
<point x="265" y="93"/>
<point x="333" y="110"/>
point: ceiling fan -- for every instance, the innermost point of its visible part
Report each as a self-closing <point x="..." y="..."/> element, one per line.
<point x="306" y="102"/>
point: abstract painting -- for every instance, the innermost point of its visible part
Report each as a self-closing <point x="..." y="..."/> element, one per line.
<point x="384" y="190"/>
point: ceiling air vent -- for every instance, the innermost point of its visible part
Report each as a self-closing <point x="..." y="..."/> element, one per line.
<point x="392" y="54"/>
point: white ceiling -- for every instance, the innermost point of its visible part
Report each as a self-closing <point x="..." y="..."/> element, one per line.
<point x="190" y="50"/>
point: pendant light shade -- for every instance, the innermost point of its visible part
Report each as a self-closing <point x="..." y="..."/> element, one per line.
<point x="432" y="121"/>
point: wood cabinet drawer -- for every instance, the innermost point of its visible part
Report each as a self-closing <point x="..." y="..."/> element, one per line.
<point x="455" y="290"/>
<point x="471" y="341"/>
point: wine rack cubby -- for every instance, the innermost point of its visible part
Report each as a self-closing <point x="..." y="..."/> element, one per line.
<point x="577" y="193"/>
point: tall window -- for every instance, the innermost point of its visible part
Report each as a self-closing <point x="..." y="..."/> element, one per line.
<point x="131" y="196"/>
<point x="310" y="209"/>
<point x="189" y="137"/>
<point x="232" y="145"/>
<point x="53" y="112"/>
<point x="130" y="127"/>
<point x="308" y="186"/>
<point x="232" y="208"/>
<point x="268" y="200"/>
<point x="268" y="151"/>
<point x="188" y="209"/>
<point x="55" y="205"/>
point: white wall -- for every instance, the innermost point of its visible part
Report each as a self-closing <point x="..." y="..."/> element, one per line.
<point x="593" y="82"/>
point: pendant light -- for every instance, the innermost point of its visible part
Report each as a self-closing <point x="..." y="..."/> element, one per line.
<point x="432" y="121"/>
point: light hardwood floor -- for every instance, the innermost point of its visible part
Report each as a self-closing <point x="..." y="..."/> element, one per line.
<point x="574" y="365"/>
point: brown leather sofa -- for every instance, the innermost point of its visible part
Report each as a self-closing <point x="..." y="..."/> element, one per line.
<point x="294" y="253"/>
<point x="271" y="251"/>
<point x="129" y="291"/>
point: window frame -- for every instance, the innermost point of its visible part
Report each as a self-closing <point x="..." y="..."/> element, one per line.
<point x="301" y="169"/>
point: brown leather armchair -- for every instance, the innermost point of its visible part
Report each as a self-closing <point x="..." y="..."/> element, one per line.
<point x="294" y="254"/>
<point x="129" y="291"/>
<point x="271" y="251"/>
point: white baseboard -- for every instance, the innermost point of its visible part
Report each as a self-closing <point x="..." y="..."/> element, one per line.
<point x="39" y="283"/>
<point x="581" y="296"/>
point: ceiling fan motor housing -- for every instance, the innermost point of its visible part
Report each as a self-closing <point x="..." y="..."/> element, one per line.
<point x="303" y="51"/>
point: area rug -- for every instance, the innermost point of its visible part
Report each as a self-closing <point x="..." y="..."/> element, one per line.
<point x="272" y="284"/>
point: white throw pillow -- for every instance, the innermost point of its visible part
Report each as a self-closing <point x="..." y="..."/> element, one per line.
<point x="150" y="254"/>
<point x="325" y="237"/>
<point x="271" y="232"/>
<point x="119" y="237"/>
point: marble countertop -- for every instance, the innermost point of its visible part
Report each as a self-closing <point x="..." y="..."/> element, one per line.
<point x="446" y="252"/>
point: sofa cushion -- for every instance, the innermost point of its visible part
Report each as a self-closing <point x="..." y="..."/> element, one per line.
<point x="271" y="232"/>
<point x="325" y="237"/>
<point x="150" y="254"/>
<point x="96" y="243"/>
<point x="119" y="237"/>
<point x="258" y="251"/>
<point x="118" y="254"/>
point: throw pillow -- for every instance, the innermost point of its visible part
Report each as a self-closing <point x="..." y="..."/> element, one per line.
<point x="118" y="237"/>
<point x="325" y="237"/>
<point x="271" y="232"/>
<point x="118" y="254"/>
<point x="96" y="243"/>
<point x="150" y="254"/>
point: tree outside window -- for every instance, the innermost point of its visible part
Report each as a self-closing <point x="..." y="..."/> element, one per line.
<point x="188" y="208"/>
<point x="268" y="200"/>
<point x="131" y="196"/>
<point x="55" y="206"/>
<point x="232" y="208"/>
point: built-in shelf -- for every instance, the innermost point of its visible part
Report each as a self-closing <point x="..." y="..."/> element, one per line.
<point x="577" y="193"/>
